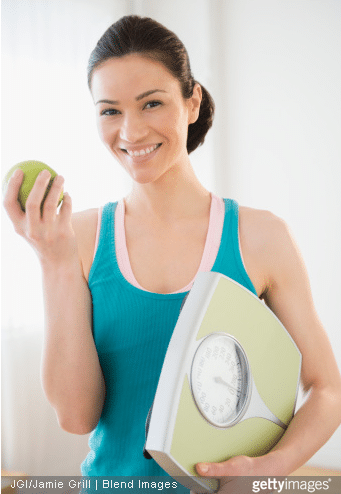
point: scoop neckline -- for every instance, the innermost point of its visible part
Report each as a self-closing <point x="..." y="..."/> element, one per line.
<point x="179" y="293"/>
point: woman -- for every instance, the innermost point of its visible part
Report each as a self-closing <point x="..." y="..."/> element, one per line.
<point x="115" y="277"/>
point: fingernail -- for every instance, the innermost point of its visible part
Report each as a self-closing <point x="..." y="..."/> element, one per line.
<point x="17" y="172"/>
<point x="204" y="467"/>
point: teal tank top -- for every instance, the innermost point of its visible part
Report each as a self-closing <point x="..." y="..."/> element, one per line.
<point x="132" y="329"/>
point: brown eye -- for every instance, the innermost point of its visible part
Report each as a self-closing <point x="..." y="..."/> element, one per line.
<point x="109" y="112"/>
<point x="152" y="104"/>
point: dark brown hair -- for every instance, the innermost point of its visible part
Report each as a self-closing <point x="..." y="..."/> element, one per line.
<point x="134" y="34"/>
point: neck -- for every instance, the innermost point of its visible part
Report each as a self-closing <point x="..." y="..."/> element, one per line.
<point x="176" y="195"/>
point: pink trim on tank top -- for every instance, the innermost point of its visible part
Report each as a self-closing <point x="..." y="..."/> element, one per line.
<point x="99" y="219"/>
<point x="215" y="228"/>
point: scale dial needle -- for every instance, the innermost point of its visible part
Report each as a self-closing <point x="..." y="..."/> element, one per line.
<point x="220" y="380"/>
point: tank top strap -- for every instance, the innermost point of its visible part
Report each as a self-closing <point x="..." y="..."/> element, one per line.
<point x="229" y="260"/>
<point x="105" y="256"/>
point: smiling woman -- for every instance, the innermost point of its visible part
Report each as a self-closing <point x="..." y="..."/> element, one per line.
<point x="158" y="46"/>
<point x="137" y="128"/>
<point x="115" y="276"/>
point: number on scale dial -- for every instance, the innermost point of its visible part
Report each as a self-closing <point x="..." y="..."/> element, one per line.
<point x="220" y="379"/>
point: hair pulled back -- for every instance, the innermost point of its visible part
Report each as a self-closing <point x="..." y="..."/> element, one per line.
<point x="145" y="36"/>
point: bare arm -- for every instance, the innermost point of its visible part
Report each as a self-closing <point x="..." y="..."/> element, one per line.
<point x="71" y="374"/>
<point x="289" y="296"/>
<point x="287" y="293"/>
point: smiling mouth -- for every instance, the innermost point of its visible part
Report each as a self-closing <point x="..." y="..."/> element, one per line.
<point x="142" y="152"/>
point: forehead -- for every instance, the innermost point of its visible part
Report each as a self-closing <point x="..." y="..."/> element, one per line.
<point x="131" y="75"/>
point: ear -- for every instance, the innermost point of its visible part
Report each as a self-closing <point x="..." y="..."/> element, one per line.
<point x="194" y="104"/>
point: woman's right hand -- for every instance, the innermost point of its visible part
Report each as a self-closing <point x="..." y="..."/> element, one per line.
<point x="48" y="231"/>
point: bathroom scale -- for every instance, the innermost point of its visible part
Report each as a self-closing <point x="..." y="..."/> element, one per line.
<point x="228" y="385"/>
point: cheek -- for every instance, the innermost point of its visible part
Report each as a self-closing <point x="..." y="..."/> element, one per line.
<point x="174" y="127"/>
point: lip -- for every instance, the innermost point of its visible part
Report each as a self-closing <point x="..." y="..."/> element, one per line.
<point x="144" y="157"/>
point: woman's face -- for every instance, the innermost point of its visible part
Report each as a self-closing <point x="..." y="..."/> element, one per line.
<point x="142" y="116"/>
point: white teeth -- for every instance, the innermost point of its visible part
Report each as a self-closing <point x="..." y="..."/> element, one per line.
<point x="142" y="152"/>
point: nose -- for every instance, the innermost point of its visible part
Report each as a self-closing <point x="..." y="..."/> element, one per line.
<point x="133" y="128"/>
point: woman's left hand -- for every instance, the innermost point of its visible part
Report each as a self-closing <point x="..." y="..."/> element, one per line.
<point x="233" y="472"/>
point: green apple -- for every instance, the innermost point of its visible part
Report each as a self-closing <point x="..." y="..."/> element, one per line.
<point x="31" y="171"/>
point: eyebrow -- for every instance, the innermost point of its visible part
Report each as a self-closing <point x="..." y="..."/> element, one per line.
<point x="138" y="98"/>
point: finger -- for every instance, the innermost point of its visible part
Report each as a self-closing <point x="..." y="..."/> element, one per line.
<point x="36" y="196"/>
<point x="11" y="203"/>
<point x="216" y="470"/>
<point x="234" y="467"/>
<point x="52" y="198"/>
<point x="66" y="209"/>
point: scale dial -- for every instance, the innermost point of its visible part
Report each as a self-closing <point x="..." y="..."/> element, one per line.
<point x="220" y="379"/>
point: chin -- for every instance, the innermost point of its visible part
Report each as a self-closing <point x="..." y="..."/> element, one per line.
<point x="145" y="176"/>
<point x="143" y="179"/>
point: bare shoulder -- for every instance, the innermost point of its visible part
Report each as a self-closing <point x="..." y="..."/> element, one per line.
<point x="261" y="227"/>
<point x="81" y="220"/>
<point x="84" y="224"/>
<point x="267" y="246"/>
